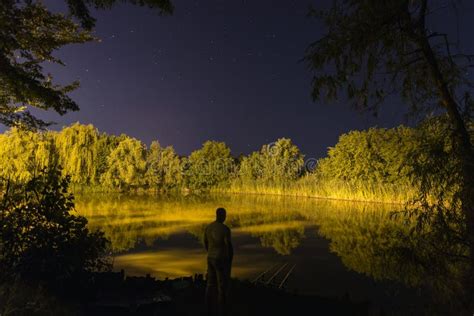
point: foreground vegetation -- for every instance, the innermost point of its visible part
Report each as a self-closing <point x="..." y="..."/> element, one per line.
<point x="47" y="253"/>
<point x="372" y="165"/>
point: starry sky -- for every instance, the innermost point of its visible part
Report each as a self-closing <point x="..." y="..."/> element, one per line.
<point x="226" y="70"/>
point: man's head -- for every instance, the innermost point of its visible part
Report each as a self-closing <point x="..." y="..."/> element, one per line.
<point x="220" y="214"/>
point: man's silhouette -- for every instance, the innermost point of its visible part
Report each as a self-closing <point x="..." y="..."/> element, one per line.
<point x="219" y="261"/>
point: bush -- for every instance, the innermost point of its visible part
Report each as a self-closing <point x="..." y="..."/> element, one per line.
<point x="41" y="240"/>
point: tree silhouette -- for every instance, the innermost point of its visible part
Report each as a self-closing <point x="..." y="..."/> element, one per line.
<point x="43" y="244"/>
<point x="29" y="34"/>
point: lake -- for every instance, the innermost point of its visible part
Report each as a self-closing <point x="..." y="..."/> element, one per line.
<point x="338" y="248"/>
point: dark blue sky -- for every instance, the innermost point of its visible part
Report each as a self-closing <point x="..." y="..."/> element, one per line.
<point x="221" y="70"/>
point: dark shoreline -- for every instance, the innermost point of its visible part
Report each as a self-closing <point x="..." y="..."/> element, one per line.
<point x="113" y="293"/>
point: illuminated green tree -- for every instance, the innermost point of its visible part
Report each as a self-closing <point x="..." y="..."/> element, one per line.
<point x="374" y="156"/>
<point x="209" y="166"/>
<point x="126" y="165"/>
<point x="278" y="163"/>
<point x="24" y="153"/>
<point x="163" y="169"/>
<point x="105" y="145"/>
<point x="251" y="167"/>
<point x="283" y="161"/>
<point x="77" y="147"/>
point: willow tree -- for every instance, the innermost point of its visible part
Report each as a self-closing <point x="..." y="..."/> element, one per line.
<point x="77" y="147"/>
<point x="373" y="49"/>
<point x="29" y="34"/>
<point x="24" y="154"/>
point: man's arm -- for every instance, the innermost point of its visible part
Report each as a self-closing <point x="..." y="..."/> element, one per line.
<point x="229" y="245"/>
<point x="206" y="242"/>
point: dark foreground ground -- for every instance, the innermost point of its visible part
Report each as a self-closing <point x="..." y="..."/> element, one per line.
<point x="116" y="295"/>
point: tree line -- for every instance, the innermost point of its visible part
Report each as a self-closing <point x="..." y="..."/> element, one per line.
<point x="361" y="160"/>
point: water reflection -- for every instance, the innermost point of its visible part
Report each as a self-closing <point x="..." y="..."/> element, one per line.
<point x="387" y="247"/>
<point x="131" y="220"/>
<point x="163" y="236"/>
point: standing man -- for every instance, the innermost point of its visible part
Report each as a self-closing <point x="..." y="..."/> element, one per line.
<point x="219" y="261"/>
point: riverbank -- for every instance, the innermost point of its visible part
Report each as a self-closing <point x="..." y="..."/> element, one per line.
<point x="116" y="294"/>
<point x="113" y="293"/>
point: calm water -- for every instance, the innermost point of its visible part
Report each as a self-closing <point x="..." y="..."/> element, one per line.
<point x="339" y="248"/>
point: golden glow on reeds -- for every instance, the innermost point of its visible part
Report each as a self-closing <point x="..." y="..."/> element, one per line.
<point x="333" y="189"/>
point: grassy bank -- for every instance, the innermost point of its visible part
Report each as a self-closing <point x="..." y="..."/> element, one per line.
<point x="334" y="189"/>
<point x="307" y="186"/>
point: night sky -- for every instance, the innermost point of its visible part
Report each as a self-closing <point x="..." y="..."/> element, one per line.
<point x="215" y="70"/>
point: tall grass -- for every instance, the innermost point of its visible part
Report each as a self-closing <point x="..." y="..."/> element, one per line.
<point x="307" y="186"/>
<point x="310" y="186"/>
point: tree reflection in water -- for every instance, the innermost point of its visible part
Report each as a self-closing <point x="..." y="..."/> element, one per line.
<point x="387" y="247"/>
<point x="368" y="238"/>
